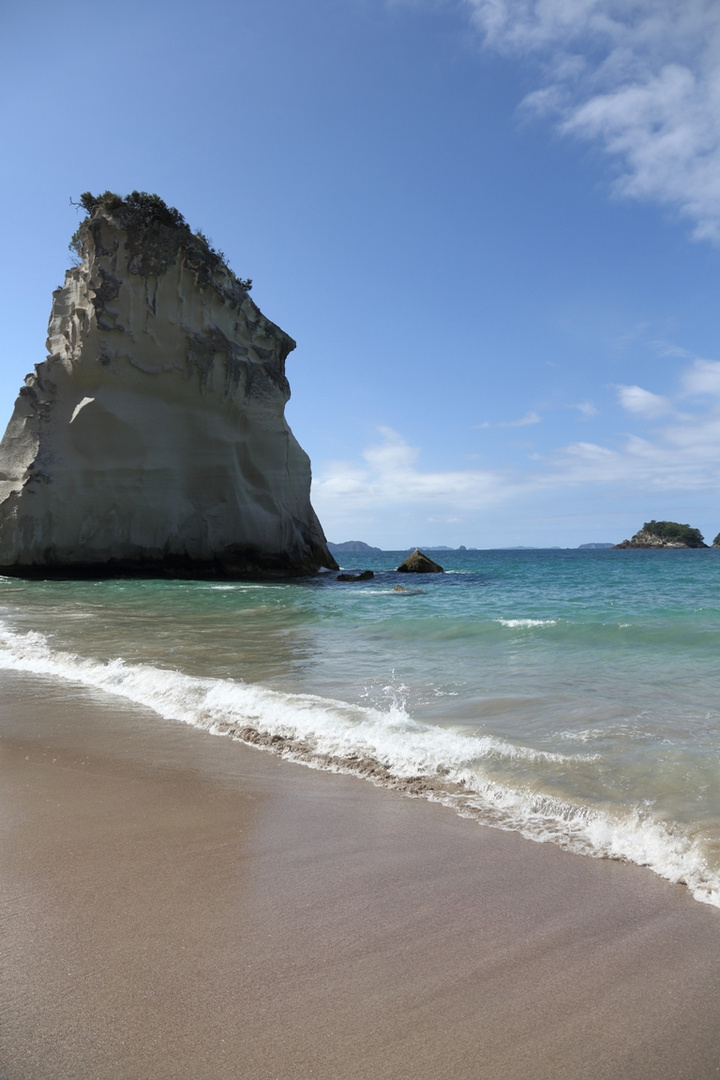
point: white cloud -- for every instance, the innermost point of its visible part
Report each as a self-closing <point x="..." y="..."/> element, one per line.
<point x="586" y="408"/>
<point x="681" y="458"/>
<point x="641" y="77"/>
<point x="391" y="477"/>
<point x="642" y="402"/>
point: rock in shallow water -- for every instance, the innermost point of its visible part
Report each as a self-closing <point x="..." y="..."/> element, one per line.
<point x="418" y="563"/>
<point x="153" y="437"/>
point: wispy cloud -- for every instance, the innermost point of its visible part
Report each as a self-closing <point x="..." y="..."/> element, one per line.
<point x="528" y="418"/>
<point x="640" y="77"/>
<point x="668" y="348"/>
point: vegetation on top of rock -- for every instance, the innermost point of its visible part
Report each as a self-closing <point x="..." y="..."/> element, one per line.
<point x="150" y="207"/>
<point x="152" y="226"/>
<point x="671" y="530"/>
<point x="716" y="541"/>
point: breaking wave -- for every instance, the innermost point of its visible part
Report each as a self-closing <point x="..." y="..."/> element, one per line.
<point x="387" y="747"/>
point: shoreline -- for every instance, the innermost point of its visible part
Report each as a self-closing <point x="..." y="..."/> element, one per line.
<point x="178" y="906"/>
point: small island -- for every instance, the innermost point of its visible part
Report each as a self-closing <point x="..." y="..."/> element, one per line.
<point x="664" y="534"/>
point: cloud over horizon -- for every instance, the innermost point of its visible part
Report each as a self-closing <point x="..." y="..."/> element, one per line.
<point x="681" y="454"/>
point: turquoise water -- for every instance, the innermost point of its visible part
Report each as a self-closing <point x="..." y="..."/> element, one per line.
<point x="571" y="695"/>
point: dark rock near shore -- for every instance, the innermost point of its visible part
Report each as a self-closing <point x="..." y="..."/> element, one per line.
<point x="367" y="575"/>
<point x="417" y="563"/>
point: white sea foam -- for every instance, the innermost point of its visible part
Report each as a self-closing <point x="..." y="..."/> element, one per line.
<point x="439" y="763"/>
<point x="515" y="624"/>
<point x="633" y="836"/>
<point x="627" y="732"/>
<point x="240" y="586"/>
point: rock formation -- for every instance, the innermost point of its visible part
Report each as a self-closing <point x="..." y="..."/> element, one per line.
<point x="664" y="534"/>
<point x="152" y="440"/>
<point x="417" y="563"/>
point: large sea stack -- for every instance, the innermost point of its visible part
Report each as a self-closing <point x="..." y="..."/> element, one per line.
<point x="152" y="440"/>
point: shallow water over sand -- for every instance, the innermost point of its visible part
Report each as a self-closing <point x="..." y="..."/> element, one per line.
<point x="570" y="695"/>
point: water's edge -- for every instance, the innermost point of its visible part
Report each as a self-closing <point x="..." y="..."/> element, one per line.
<point x="421" y="761"/>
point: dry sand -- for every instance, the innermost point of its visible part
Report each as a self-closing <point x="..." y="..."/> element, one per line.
<point x="175" y="906"/>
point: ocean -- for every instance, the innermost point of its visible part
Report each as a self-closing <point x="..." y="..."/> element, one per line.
<point x="570" y="695"/>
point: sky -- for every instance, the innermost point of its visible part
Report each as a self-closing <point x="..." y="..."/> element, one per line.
<point x="492" y="227"/>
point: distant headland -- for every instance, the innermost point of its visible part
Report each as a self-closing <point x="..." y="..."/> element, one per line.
<point x="351" y="547"/>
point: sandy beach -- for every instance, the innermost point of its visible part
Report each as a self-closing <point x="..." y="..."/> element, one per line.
<point x="176" y="905"/>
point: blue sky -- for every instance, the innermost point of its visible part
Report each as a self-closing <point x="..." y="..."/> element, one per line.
<point x="492" y="226"/>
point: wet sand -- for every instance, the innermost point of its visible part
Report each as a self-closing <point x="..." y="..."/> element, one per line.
<point x="175" y="906"/>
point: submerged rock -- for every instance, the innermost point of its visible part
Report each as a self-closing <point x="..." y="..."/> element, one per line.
<point x="417" y="563"/>
<point x="152" y="440"/>
<point x="366" y="575"/>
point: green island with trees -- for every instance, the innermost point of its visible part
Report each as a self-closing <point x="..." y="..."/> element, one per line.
<point x="667" y="534"/>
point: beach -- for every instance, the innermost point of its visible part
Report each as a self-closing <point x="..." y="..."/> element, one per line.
<point x="178" y="905"/>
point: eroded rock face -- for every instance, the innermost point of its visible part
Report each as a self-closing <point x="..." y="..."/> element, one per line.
<point x="153" y="437"/>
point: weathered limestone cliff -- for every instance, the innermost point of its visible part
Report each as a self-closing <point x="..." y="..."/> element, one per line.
<point x="152" y="439"/>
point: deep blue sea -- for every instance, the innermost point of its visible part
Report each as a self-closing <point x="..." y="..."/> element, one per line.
<point x="571" y="695"/>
